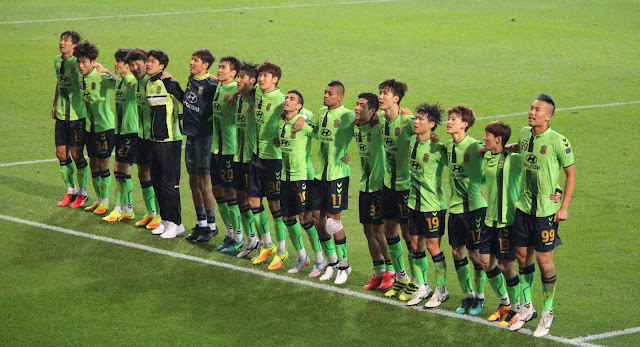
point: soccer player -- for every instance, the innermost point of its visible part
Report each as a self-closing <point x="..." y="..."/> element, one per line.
<point x="126" y="138"/>
<point x="266" y="164"/>
<point x="368" y="135"/>
<point x="137" y="59"/>
<point x="223" y="149"/>
<point x="94" y="86"/>
<point x="198" y="127"/>
<point x="331" y="184"/>
<point x="295" y="146"/>
<point x="69" y="113"/>
<point x="545" y="152"/>
<point x="245" y="145"/>
<point x="427" y="204"/>
<point x="397" y="129"/>
<point x="467" y="207"/>
<point x="164" y="96"/>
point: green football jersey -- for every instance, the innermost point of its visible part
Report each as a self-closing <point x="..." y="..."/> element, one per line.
<point x="395" y="136"/>
<point x="543" y="157"/>
<point x="126" y="105"/>
<point x="310" y="172"/>
<point x="95" y="93"/>
<point x="295" y="146"/>
<point x="144" y="109"/>
<point x="371" y="150"/>
<point x="224" y="120"/>
<point x="268" y="109"/>
<point x="502" y="174"/>
<point x="465" y="166"/>
<point x="335" y="131"/>
<point x="246" y="128"/>
<point x="69" y="106"/>
<point x="428" y="159"/>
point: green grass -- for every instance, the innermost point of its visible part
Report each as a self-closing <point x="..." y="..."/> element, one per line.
<point x="494" y="56"/>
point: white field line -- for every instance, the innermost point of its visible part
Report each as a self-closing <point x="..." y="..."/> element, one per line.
<point x="606" y="335"/>
<point x="565" y="109"/>
<point x="271" y="275"/>
<point x="488" y="117"/>
<point x="247" y="8"/>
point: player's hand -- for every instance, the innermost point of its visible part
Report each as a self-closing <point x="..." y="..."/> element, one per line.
<point x="231" y="102"/>
<point x="215" y="78"/>
<point x="165" y="75"/>
<point x="374" y="120"/>
<point x="276" y="142"/>
<point x="345" y="159"/>
<point x="482" y="151"/>
<point x="190" y="77"/>
<point x="297" y="126"/>
<point x="561" y="215"/>
<point x="53" y="112"/>
<point x="556" y="197"/>
<point x="512" y="147"/>
<point x="435" y="137"/>
<point x="405" y="111"/>
<point x="99" y="67"/>
<point x="484" y="195"/>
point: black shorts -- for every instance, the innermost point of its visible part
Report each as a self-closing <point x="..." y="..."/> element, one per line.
<point x="143" y="157"/>
<point x="197" y="155"/>
<point x="294" y="198"/>
<point x="126" y="148"/>
<point x="394" y="205"/>
<point x="264" y="178"/>
<point x="330" y="196"/>
<point x="370" y="206"/>
<point x="241" y="176"/>
<point x="99" y="145"/>
<point x="498" y="242"/>
<point x="70" y="133"/>
<point x="222" y="170"/>
<point x="465" y="228"/>
<point x="541" y="232"/>
<point x="428" y="224"/>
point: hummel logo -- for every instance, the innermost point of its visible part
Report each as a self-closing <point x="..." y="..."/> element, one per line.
<point x="478" y="222"/>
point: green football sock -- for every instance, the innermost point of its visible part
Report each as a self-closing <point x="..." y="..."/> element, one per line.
<point x="328" y="247"/>
<point x="278" y="226"/>
<point x="149" y="195"/>
<point x="389" y="265"/>
<point x="234" y="214"/>
<point x="479" y="278"/>
<point x="526" y="282"/>
<point x="224" y="211"/>
<point x="548" y="292"/>
<point x="379" y="267"/>
<point x="120" y="183"/>
<point x="312" y="234"/>
<point x="83" y="174"/>
<point x="440" y="269"/>
<point x="513" y="289"/>
<point x="420" y="267"/>
<point x="127" y="192"/>
<point x="95" y="181"/>
<point x="496" y="280"/>
<point x="105" y="184"/>
<point x="67" y="169"/>
<point x="341" y="248"/>
<point x="261" y="220"/>
<point x="248" y="222"/>
<point x="410" y="257"/>
<point x="463" y="269"/>
<point x="295" y="234"/>
<point x="396" y="252"/>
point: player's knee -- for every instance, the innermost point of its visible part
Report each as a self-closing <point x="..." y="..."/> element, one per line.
<point x="545" y="260"/>
<point x="333" y="226"/>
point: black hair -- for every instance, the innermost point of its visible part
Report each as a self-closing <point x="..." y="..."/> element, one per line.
<point x="161" y="55"/>
<point x="396" y="87"/>
<point x="86" y="49"/>
<point x="249" y="69"/>
<point x="121" y="54"/>
<point x="337" y="84"/>
<point x="136" y="54"/>
<point x="75" y="36"/>
<point x="433" y="112"/>
<point x="205" y="55"/>
<point x="372" y="100"/>
<point x="549" y="100"/>
<point x="300" y="98"/>
<point x="234" y="63"/>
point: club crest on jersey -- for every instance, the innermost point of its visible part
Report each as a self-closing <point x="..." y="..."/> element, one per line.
<point x="336" y="123"/>
<point x="543" y="149"/>
<point x="268" y="106"/>
<point x="129" y="85"/>
<point x="73" y="71"/>
<point x="369" y="137"/>
<point x="250" y="109"/>
<point x="200" y="90"/>
<point x="276" y="142"/>
<point x="226" y="97"/>
<point x="158" y="89"/>
<point x="467" y="158"/>
<point x="425" y="158"/>
<point x="293" y="134"/>
<point x="397" y="131"/>
<point x="93" y="85"/>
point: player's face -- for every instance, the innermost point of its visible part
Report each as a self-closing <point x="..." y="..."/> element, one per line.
<point x="291" y="103"/>
<point x="85" y="65"/>
<point x="266" y="81"/>
<point x="539" y="114"/>
<point x="455" y="124"/>
<point x="197" y="67"/>
<point x="225" y="74"/>
<point x="363" y="113"/>
<point x="386" y="99"/>
<point x="120" y="67"/>
<point x="421" y="124"/>
<point x="138" y="68"/>
<point x="66" y="45"/>
<point x="245" y="83"/>
<point x="332" y="96"/>
<point x="153" y="66"/>
<point x="491" y="143"/>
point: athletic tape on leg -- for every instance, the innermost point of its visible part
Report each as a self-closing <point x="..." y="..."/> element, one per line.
<point x="333" y="226"/>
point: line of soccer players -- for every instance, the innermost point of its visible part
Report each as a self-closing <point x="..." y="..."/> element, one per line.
<point x="246" y="140"/>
